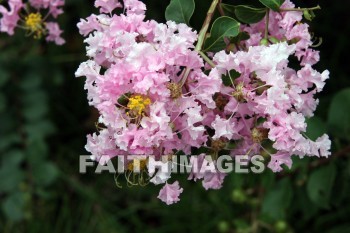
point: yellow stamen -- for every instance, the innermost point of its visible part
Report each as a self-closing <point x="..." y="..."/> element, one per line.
<point x="218" y="145"/>
<point x="34" y="23"/>
<point x="175" y="90"/>
<point x="259" y="134"/>
<point x="238" y="93"/>
<point x="137" y="104"/>
<point x="138" y="164"/>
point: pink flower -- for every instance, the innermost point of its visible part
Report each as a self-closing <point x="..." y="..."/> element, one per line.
<point x="107" y="6"/>
<point x="33" y="23"/>
<point x="156" y="95"/>
<point x="10" y="18"/>
<point x="279" y="159"/>
<point x="54" y="6"/>
<point x="223" y="128"/>
<point x="90" y="24"/>
<point x="324" y="145"/>
<point x="134" y="6"/>
<point x="101" y="146"/>
<point x="54" y="33"/>
<point x="196" y="163"/>
<point x="170" y="193"/>
<point x="213" y="180"/>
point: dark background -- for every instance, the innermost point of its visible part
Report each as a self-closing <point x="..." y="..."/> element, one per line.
<point x="44" y="119"/>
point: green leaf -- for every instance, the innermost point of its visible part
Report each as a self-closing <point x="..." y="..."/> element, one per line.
<point x="221" y="28"/>
<point x="230" y="77"/>
<point x="228" y="9"/>
<point x="180" y="11"/>
<point x="44" y="173"/>
<point x="13" y="157"/>
<point x="39" y="130"/>
<point x="272" y="4"/>
<point x="12" y="177"/>
<point x="2" y="102"/>
<point x="316" y="127"/>
<point x="278" y="199"/>
<point x="302" y="203"/>
<point x="9" y="140"/>
<point x="338" y="116"/>
<point x="36" y="151"/>
<point x="240" y="37"/>
<point x="320" y="185"/>
<point x="4" y="77"/>
<point x="13" y="206"/>
<point x="340" y="229"/>
<point x="268" y="179"/>
<point x="30" y="82"/>
<point x="34" y="97"/>
<point x="248" y="14"/>
<point x="35" y="111"/>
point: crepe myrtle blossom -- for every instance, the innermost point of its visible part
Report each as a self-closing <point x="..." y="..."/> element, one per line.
<point x="33" y="16"/>
<point x="286" y="26"/>
<point x="170" y="193"/>
<point x="156" y="95"/>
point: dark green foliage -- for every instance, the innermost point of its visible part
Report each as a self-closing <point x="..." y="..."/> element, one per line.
<point x="180" y="11"/>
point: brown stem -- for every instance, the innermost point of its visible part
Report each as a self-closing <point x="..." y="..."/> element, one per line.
<point x="221" y="11"/>
<point x="267" y="23"/>
<point x="201" y="36"/>
<point x="319" y="163"/>
<point x="301" y="9"/>
<point x="203" y="31"/>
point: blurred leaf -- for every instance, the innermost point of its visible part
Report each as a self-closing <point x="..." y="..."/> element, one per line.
<point x="9" y="140"/>
<point x="36" y="151"/>
<point x="272" y="4"/>
<point x="320" y="185"/>
<point x="37" y="97"/>
<point x="267" y="179"/>
<point x="249" y="15"/>
<point x="278" y="199"/>
<point x="316" y="127"/>
<point x="339" y="116"/>
<point x="35" y="111"/>
<point x="302" y="204"/>
<point x="44" y="173"/>
<point x="2" y="102"/>
<point x="340" y="229"/>
<point x="241" y="224"/>
<point x="30" y="81"/>
<point x="13" y="206"/>
<point x="180" y="11"/>
<point x="14" y="157"/>
<point x="39" y="129"/>
<point x="4" y="77"/>
<point x="221" y="28"/>
<point x="11" y="175"/>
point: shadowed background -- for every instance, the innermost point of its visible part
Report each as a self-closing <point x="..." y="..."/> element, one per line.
<point x="44" y="119"/>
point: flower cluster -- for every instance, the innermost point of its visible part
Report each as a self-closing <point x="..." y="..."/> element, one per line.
<point x="156" y="96"/>
<point x="29" y="16"/>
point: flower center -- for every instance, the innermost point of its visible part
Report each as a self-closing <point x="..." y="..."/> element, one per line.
<point x="138" y="164"/>
<point x="137" y="104"/>
<point x="238" y="93"/>
<point x="220" y="101"/>
<point x="175" y="90"/>
<point x="34" y="23"/>
<point x="218" y="145"/>
<point x="258" y="134"/>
